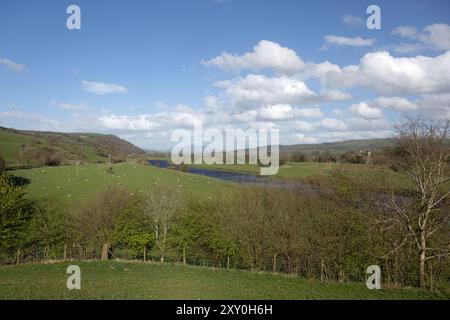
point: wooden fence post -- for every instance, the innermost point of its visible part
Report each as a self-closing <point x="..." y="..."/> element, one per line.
<point x="18" y="257"/>
<point x="274" y="263"/>
<point x="431" y="276"/>
<point x="321" y="270"/>
<point x="184" y="256"/>
<point x="145" y="254"/>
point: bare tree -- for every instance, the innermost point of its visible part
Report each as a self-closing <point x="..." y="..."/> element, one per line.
<point x="424" y="155"/>
<point x="161" y="205"/>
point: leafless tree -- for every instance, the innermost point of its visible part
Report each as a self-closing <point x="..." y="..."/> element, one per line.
<point x="161" y="204"/>
<point x="423" y="154"/>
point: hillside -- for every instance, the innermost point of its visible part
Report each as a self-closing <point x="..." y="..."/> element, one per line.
<point x="64" y="184"/>
<point x="338" y="147"/>
<point x="19" y="147"/>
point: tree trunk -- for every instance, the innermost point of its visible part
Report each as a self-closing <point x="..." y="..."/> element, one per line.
<point x="422" y="260"/>
<point x="105" y="249"/>
<point x="184" y="256"/>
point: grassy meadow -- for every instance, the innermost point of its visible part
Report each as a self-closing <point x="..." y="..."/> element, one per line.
<point x="63" y="183"/>
<point x="133" y="280"/>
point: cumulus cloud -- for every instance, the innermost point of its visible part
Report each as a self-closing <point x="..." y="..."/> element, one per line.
<point x="277" y="112"/>
<point x="303" y="126"/>
<point x="364" y="124"/>
<point x="435" y="36"/>
<point x="30" y="121"/>
<point x="261" y="89"/>
<point x="346" y="41"/>
<point x="364" y="111"/>
<point x="101" y="88"/>
<point x="331" y="124"/>
<point x="435" y="106"/>
<point x="388" y="75"/>
<point x="150" y="122"/>
<point x="212" y="102"/>
<point x="406" y="32"/>
<point x="12" y="65"/>
<point x="395" y="103"/>
<point x="265" y="55"/>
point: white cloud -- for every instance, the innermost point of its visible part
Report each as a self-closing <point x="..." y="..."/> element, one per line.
<point x="406" y="32"/>
<point x="309" y="113"/>
<point x="331" y="124"/>
<point x="265" y="55"/>
<point x="335" y="95"/>
<point x="346" y="41"/>
<point x="277" y="112"/>
<point x="408" y="47"/>
<point x="364" y="111"/>
<point x="150" y="122"/>
<point x="30" y="121"/>
<point x="435" y="36"/>
<point x="352" y="21"/>
<point x="12" y="65"/>
<point x="69" y="106"/>
<point x="387" y="75"/>
<point x="303" y="126"/>
<point x="212" y="102"/>
<point x="362" y="124"/>
<point x="301" y="138"/>
<point x="395" y="103"/>
<point x="101" y="88"/>
<point x="435" y="106"/>
<point x="261" y="89"/>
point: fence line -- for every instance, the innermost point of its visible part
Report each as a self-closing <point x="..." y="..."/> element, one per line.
<point x="316" y="271"/>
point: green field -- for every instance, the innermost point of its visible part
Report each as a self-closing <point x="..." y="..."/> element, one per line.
<point x="126" y="280"/>
<point x="64" y="184"/>
<point x="10" y="144"/>
<point x="375" y="176"/>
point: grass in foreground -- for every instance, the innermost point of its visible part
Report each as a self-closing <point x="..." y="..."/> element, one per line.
<point x="63" y="183"/>
<point x="126" y="280"/>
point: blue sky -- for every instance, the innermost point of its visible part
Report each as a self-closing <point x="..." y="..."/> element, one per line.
<point x="141" y="69"/>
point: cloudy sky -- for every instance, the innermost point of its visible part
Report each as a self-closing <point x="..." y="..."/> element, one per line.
<point x="141" y="69"/>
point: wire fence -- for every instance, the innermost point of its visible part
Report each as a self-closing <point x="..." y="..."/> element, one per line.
<point x="436" y="277"/>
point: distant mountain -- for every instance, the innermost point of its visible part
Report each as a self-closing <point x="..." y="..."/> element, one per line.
<point x="338" y="147"/>
<point x="23" y="147"/>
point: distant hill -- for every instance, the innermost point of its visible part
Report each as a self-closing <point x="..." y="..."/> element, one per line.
<point x="23" y="147"/>
<point x="338" y="147"/>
